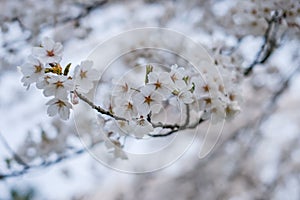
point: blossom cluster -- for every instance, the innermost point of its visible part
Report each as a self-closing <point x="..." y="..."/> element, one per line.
<point x="43" y="68"/>
<point x="252" y="17"/>
<point x="208" y="92"/>
<point x="212" y="92"/>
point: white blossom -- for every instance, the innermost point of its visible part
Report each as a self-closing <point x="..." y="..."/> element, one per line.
<point x="43" y="81"/>
<point x="58" y="86"/>
<point x="49" y="52"/>
<point x="183" y="92"/>
<point x="32" y="71"/>
<point x="161" y="82"/>
<point x="84" y="76"/>
<point x="141" y="127"/>
<point x="214" y="110"/>
<point x="123" y="91"/>
<point x="231" y="110"/>
<point x="125" y="108"/>
<point x="114" y="146"/>
<point x="59" y="106"/>
<point x="147" y="100"/>
<point x="177" y="73"/>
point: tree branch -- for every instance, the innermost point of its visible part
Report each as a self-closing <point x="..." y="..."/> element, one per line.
<point x="269" y="44"/>
<point x="98" y="108"/>
<point x="47" y="163"/>
<point x="175" y="128"/>
<point x="14" y="154"/>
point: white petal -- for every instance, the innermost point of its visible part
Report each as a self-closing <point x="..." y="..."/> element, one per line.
<point x="49" y="91"/>
<point x="38" y="51"/>
<point x="147" y="90"/>
<point x="143" y="109"/>
<point x="48" y="43"/>
<point x="64" y="113"/>
<point x="152" y="77"/>
<point x="58" y="48"/>
<point x="52" y="110"/>
<point x="156" y="108"/>
<point x="138" y="99"/>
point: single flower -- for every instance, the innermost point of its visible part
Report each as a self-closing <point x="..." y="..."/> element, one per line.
<point x="59" y="106"/>
<point x="58" y="86"/>
<point x="84" y="76"/>
<point x="147" y="100"/>
<point x="141" y="127"/>
<point x="33" y="70"/>
<point x="49" y="51"/>
<point x="161" y="82"/>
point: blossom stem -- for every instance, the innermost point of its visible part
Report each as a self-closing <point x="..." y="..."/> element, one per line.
<point x="98" y="108"/>
<point x="175" y="128"/>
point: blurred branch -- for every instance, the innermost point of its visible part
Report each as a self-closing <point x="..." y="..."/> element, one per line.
<point x="255" y="137"/>
<point x="256" y="123"/>
<point x="285" y="168"/>
<point x="48" y="163"/>
<point x="174" y="128"/>
<point x="269" y="43"/>
<point x="86" y="10"/>
<point x="14" y="154"/>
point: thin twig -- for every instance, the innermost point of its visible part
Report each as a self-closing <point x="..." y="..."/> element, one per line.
<point x="269" y="43"/>
<point x="98" y="108"/>
<point x="48" y="163"/>
<point x="15" y="155"/>
<point x="175" y="128"/>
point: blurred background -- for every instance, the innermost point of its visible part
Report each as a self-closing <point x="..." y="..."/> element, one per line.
<point x="257" y="155"/>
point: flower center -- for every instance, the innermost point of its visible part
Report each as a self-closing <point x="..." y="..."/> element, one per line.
<point x="206" y="88"/>
<point x="38" y="68"/>
<point x="83" y="74"/>
<point x="207" y="100"/>
<point x="141" y="122"/>
<point x="129" y="106"/>
<point x="50" y="53"/>
<point x="148" y="100"/>
<point x="157" y="85"/>
<point x="231" y="97"/>
<point x="59" y="84"/>
<point x="60" y="103"/>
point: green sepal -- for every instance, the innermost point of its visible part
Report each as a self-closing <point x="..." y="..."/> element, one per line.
<point x="149" y="68"/>
<point x="67" y="69"/>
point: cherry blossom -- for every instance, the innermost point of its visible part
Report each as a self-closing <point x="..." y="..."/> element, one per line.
<point x="128" y="109"/>
<point x="49" y="52"/>
<point x="183" y="92"/>
<point x="161" y="81"/>
<point x="177" y="73"/>
<point x="32" y="71"/>
<point x="147" y="100"/>
<point x="59" y="106"/>
<point x="43" y="81"/>
<point x="58" y="86"/>
<point x="125" y="108"/>
<point x="84" y="76"/>
<point x="141" y="127"/>
<point x="115" y="147"/>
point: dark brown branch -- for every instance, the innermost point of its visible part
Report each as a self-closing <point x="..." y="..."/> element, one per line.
<point x="98" y="108"/>
<point x="175" y="128"/>
<point x="268" y="45"/>
<point x="86" y="10"/>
